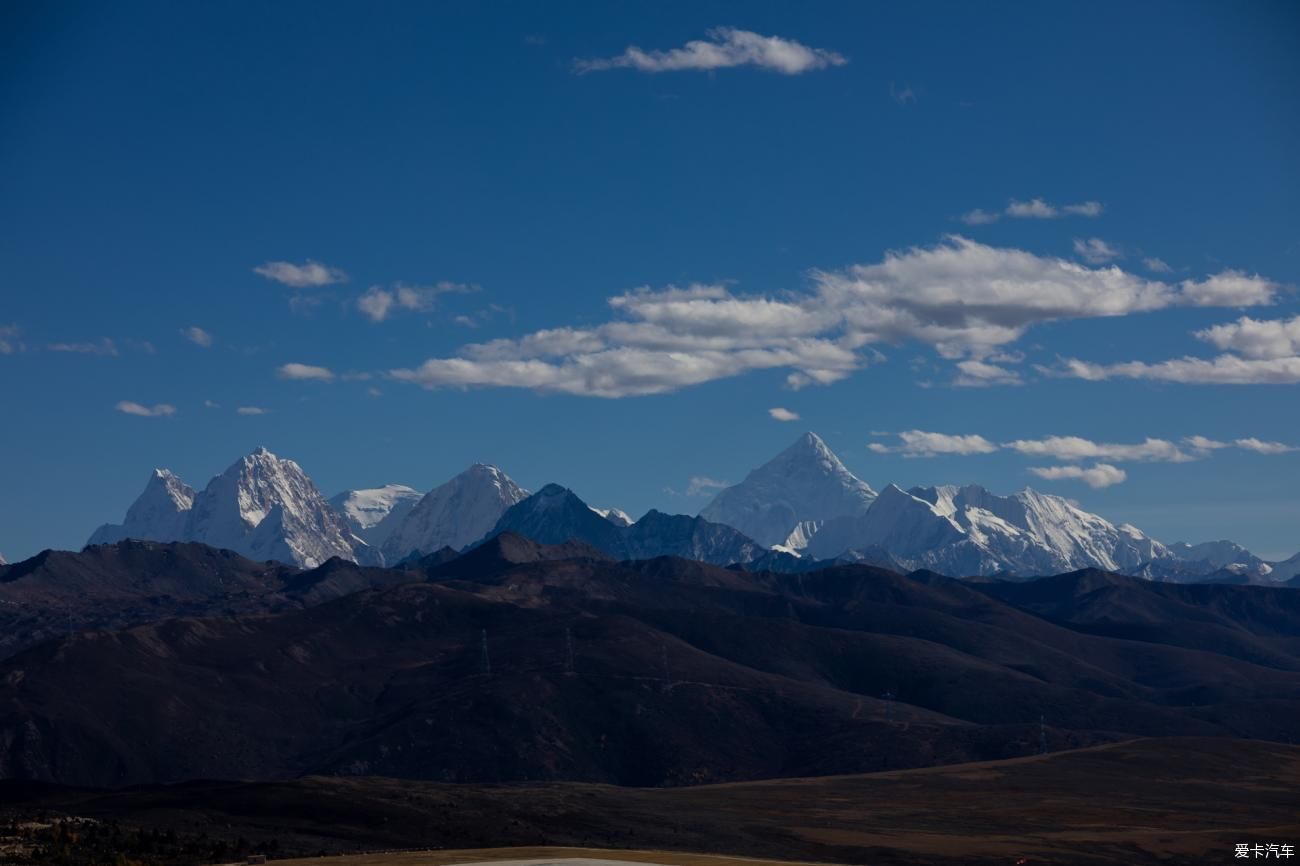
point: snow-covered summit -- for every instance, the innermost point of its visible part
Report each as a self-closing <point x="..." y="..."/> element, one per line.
<point x="786" y="500"/>
<point x="969" y="530"/>
<point x="454" y="514"/>
<point x="262" y="507"/>
<point x="158" y="514"/>
<point x="374" y="513"/>
<point x="304" y="529"/>
<point x="616" y="516"/>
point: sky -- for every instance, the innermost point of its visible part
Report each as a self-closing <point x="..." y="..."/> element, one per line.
<point x="638" y="249"/>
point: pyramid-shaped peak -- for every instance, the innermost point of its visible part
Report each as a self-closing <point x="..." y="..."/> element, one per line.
<point x="555" y="491"/>
<point x="803" y="486"/>
<point x="812" y="443"/>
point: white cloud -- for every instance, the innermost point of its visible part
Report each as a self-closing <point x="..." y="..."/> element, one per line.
<point x="919" y="443"/>
<point x="1230" y="289"/>
<point x="251" y="410"/>
<point x="1100" y="475"/>
<point x="1032" y="209"/>
<point x="1259" y="446"/>
<point x="1222" y="370"/>
<point x="210" y="404"/>
<point x="725" y="47"/>
<point x="104" y="346"/>
<point x="783" y="414"/>
<point x="1086" y="208"/>
<point x="158" y="410"/>
<point x="378" y="302"/>
<point x="305" y="372"/>
<point x="1157" y="265"/>
<point x="1074" y="449"/>
<point x="966" y="299"/>
<point x="197" y="336"/>
<point x="9" y="342"/>
<point x="701" y="486"/>
<point x="1041" y="210"/>
<point x="1255" y="338"/>
<point x="980" y="374"/>
<point x="980" y="217"/>
<point x="1095" y="250"/>
<point x="308" y="275"/>
<point x="1071" y="448"/>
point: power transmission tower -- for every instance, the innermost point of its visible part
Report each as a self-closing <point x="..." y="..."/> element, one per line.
<point x="487" y="662"/>
<point x="889" y="704"/>
<point x="568" y="661"/>
<point x="668" y="677"/>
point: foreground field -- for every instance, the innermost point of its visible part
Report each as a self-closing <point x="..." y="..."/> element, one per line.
<point x="1176" y="800"/>
<point x="537" y="857"/>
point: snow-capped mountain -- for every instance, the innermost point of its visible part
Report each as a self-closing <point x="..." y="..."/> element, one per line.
<point x="1212" y="560"/>
<point x="968" y="530"/>
<point x="262" y="507"/>
<point x="158" y="514"/>
<point x="1215" y="554"/>
<point x="786" y="500"/>
<point x="266" y="507"/>
<point x="454" y="514"/>
<point x="616" y="516"/>
<point x="373" y="514"/>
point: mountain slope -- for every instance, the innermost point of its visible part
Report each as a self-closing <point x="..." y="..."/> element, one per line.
<point x="158" y="514"/>
<point x="454" y="514"/>
<point x="641" y="673"/>
<point x="785" y="500"/>
<point x="132" y="582"/>
<point x="555" y="515"/>
<point x="372" y="514"/>
<point x="1287" y="569"/>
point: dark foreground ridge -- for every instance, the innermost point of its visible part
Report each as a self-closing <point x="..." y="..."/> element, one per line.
<point x="523" y="662"/>
<point x="1185" y="801"/>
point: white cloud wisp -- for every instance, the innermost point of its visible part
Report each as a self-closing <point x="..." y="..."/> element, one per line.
<point x="726" y="47"/>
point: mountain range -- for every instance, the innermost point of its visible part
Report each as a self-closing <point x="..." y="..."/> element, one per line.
<point x="518" y="661"/>
<point x="800" y="510"/>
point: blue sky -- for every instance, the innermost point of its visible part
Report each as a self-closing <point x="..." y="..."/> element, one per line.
<point x="536" y="247"/>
